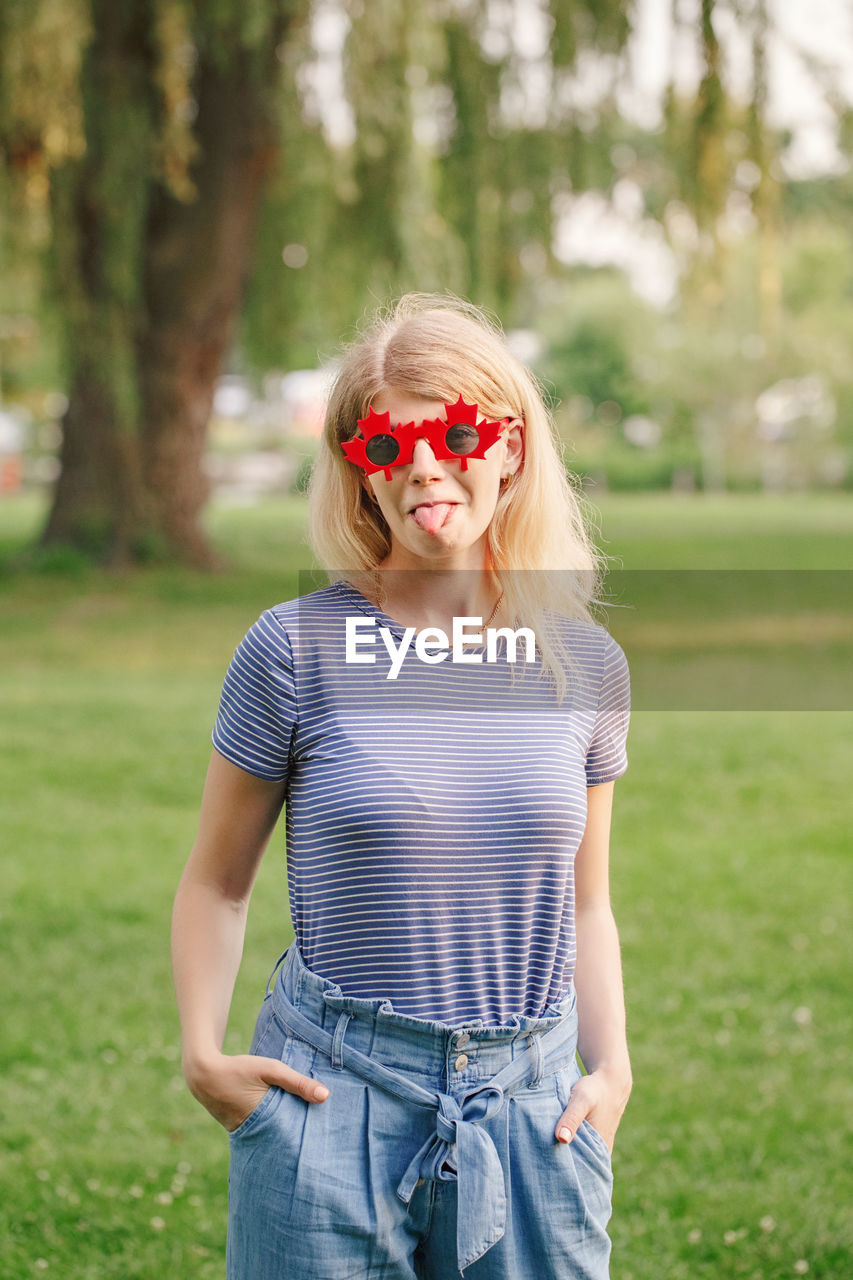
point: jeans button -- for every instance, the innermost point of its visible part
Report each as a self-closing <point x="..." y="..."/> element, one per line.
<point x="461" y="1038"/>
<point x="461" y="1062"/>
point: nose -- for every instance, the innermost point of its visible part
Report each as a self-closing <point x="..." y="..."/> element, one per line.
<point x="424" y="465"/>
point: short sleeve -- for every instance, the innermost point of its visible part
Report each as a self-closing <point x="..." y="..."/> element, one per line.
<point x="257" y="706"/>
<point x="607" y="757"/>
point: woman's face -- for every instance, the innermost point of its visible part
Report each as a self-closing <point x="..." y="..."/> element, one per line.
<point x="437" y="513"/>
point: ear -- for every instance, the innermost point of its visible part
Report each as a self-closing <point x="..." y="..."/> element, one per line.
<point x="514" y="437"/>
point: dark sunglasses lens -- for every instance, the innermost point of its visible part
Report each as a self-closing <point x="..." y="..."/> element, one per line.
<point x="382" y="450"/>
<point x="461" y="438"/>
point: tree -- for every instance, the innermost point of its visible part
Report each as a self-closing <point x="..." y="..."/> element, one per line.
<point x="155" y="134"/>
<point x="154" y="184"/>
<point x="449" y="177"/>
<point x="150" y="129"/>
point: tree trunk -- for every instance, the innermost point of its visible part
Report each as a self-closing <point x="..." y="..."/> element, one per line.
<point x="97" y="209"/>
<point x="152" y="287"/>
<point x="99" y="503"/>
<point x="197" y="261"/>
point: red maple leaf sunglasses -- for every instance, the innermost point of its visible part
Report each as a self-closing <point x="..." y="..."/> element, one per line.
<point x="381" y="446"/>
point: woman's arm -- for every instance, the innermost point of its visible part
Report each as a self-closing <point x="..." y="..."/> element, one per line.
<point x="238" y="814"/>
<point x="601" y="1096"/>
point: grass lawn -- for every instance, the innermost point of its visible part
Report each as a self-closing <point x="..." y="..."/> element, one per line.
<point x="731" y="884"/>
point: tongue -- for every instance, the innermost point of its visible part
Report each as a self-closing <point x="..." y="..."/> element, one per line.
<point x="432" y="518"/>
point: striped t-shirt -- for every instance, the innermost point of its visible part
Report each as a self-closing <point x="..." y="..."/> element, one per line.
<point x="432" y="820"/>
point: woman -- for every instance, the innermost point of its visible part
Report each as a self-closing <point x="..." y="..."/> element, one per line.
<point x="411" y="1104"/>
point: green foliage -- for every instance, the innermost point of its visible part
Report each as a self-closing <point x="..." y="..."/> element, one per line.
<point x="818" y="265"/>
<point x="41" y="110"/>
<point x="302" y="477"/>
<point x="443" y="186"/>
<point x="593" y="360"/>
<point x="622" y="468"/>
<point x="452" y="178"/>
<point x="579" y="23"/>
<point x="251" y="24"/>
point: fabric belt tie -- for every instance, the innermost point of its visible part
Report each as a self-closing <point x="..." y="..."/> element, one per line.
<point x="459" y="1140"/>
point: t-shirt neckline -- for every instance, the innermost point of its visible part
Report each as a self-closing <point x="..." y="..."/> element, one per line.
<point x="362" y="603"/>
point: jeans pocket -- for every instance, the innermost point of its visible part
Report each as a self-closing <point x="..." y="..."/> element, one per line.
<point x="256" y="1116"/>
<point x="270" y="1040"/>
<point x="590" y="1137"/>
<point x="596" y="1139"/>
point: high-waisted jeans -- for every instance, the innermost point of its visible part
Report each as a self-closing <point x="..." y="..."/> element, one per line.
<point x="434" y="1154"/>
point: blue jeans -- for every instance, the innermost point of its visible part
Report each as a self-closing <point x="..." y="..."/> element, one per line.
<point x="434" y="1155"/>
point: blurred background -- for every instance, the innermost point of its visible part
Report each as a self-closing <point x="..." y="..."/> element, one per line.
<point x="199" y="199"/>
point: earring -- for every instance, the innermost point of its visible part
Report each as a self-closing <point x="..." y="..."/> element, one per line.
<point x="506" y="480"/>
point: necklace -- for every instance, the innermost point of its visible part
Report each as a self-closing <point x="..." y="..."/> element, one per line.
<point x="494" y="611"/>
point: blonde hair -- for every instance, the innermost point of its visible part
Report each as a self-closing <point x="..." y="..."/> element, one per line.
<point x="438" y="346"/>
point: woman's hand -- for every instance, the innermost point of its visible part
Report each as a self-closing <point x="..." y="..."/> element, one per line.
<point x="230" y="1086"/>
<point x="599" y="1098"/>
